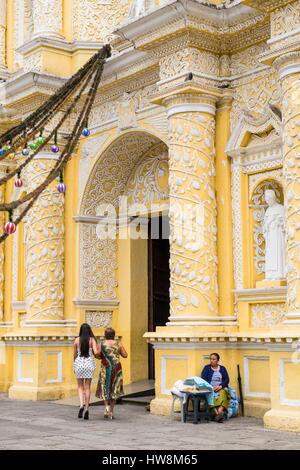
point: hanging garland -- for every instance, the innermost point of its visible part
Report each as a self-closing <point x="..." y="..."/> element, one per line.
<point x="21" y="138"/>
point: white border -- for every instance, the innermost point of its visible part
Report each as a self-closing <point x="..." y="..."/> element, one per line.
<point x="59" y="367"/>
<point x="19" y="367"/>
<point x="282" y="398"/>
<point x="247" y="376"/>
<point x="163" y="373"/>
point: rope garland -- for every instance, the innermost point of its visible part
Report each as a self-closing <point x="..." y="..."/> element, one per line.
<point x="91" y="72"/>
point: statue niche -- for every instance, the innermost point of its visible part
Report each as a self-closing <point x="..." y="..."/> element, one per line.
<point x="269" y="235"/>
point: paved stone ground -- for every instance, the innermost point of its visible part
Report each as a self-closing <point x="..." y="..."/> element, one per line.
<point x="45" y="425"/>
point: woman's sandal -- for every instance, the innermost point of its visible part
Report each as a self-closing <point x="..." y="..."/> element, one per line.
<point x="80" y="412"/>
<point x="220" y="418"/>
<point x="106" y="413"/>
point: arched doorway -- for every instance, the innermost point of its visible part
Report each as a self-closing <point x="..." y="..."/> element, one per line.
<point x="126" y="277"/>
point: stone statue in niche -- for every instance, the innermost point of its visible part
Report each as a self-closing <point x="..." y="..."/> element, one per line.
<point x="140" y="7"/>
<point x="274" y="234"/>
<point x="126" y="112"/>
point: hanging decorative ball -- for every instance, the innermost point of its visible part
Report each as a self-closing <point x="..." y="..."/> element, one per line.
<point x="86" y="132"/>
<point x="54" y="149"/>
<point x="61" y="187"/>
<point x="25" y="152"/>
<point x="10" y="227"/>
<point x="40" y="140"/>
<point x="32" y="145"/>
<point x="19" y="183"/>
<point x="2" y="152"/>
<point x="7" y="148"/>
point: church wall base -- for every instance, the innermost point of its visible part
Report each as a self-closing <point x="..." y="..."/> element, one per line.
<point x="285" y="420"/>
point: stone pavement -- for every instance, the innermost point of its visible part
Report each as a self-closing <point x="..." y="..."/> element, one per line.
<point x="45" y="425"/>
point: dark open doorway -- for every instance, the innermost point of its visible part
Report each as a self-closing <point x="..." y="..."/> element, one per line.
<point x="158" y="278"/>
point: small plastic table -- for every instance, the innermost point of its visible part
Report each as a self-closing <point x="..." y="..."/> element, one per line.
<point x="196" y="397"/>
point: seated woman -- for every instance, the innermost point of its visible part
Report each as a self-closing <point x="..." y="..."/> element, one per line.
<point x="217" y="376"/>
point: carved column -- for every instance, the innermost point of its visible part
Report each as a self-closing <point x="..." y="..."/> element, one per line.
<point x="2" y="222"/>
<point x="193" y="249"/>
<point x="289" y="72"/>
<point x="44" y="235"/>
<point x="2" y="36"/>
<point x="47" y="18"/>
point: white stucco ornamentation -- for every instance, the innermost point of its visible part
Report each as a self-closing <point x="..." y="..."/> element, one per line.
<point x="267" y="315"/>
<point x="98" y="319"/>
<point x="267" y="180"/>
<point x="291" y="138"/>
<point x="44" y="235"/>
<point x="47" y="18"/>
<point x="95" y="21"/>
<point x="193" y="256"/>
<point x="149" y="180"/>
<point x="107" y="181"/>
<point x="126" y="112"/>
<point x="274" y="234"/>
<point x="2" y="34"/>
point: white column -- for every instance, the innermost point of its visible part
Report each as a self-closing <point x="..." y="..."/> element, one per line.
<point x="47" y="18"/>
<point x="44" y="233"/>
<point x="2" y="35"/>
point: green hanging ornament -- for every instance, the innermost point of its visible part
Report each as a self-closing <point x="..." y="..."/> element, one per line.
<point x="32" y="145"/>
<point x="40" y="139"/>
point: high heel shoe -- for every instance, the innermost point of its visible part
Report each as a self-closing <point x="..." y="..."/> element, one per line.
<point x="80" y="412"/>
<point x="106" y="412"/>
<point x="86" y="414"/>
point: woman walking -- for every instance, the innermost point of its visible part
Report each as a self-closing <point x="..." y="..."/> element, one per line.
<point x="85" y="348"/>
<point x="110" y="383"/>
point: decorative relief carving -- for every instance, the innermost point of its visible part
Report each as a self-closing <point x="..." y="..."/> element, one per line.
<point x="263" y="161"/>
<point x="237" y="226"/>
<point x="2" y="33"/>
<point x="149" y="179"/>
<point x="291" y="141"/>
<point x="1" y="255"/>
<point x="33" y="63"/>
<point x="89" y="152"/>
<point x="98" y="319"/>
<point x="267" y="315"/>
<point x="44" y="235"/>
<point x="110" y="174"/>
<point x="254" y="96"/>
<point x="108" y="111"/>
<point x="158" y="122"/>
<point x="193" y="257"/>
<point x="285" y="19"/>
<point x="95" y="21"/>
<point x="248" y="59"/>
<point x="126" y="112"/>
<point x="28" y="20"/>
<point x="18" y="32"/>
<point x="98" y="265"/>
<point x="107" y="181"/>
<point x="260" y="182"/>
<point x="47" y="17"/>
<point x="140" y="8"/>
<point x="259" y="206"/>
<point x="189" y="60"/>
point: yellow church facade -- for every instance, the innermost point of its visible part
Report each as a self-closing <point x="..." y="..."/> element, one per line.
<point x="197" y="115"/>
